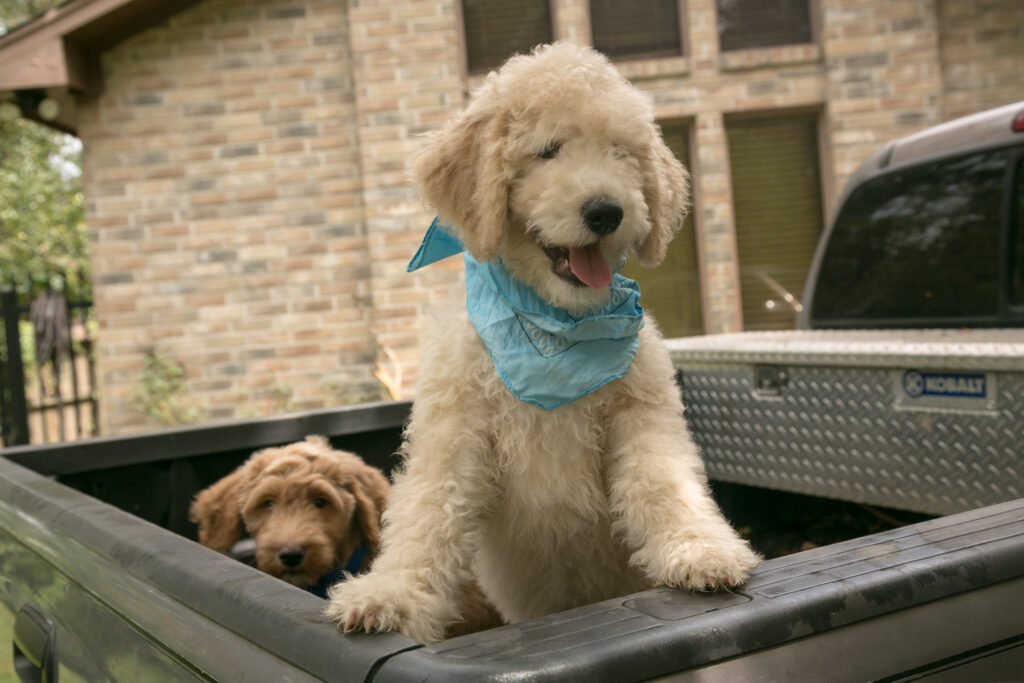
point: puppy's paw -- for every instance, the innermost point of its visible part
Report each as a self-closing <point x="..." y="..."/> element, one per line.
<point x="701" y="564"/>
<point x="355" y="609"/>
<point x="380" y="602"/>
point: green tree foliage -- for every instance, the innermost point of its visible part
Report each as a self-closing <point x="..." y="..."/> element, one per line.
<point x="14" y="13"/>
<point x="43" y="237"/>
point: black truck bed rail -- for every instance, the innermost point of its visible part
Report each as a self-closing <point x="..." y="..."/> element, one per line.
<point x="940" y="598"/>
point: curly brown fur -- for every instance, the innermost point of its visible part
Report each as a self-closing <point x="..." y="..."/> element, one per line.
<point x="307" y="506"/>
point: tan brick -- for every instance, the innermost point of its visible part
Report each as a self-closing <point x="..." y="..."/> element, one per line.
<point x="312" y="232"/>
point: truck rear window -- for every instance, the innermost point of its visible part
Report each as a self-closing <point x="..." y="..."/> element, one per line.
<point x="1017" y="240"/>
<point x="916" y="244"/>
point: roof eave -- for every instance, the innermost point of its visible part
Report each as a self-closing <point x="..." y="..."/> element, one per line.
<point x="61" y="48"/>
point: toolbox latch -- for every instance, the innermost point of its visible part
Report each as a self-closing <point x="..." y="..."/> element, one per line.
<point x="769" y="380"/>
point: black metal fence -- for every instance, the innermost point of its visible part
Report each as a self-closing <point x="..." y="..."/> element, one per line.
<point x="47" y="369"/>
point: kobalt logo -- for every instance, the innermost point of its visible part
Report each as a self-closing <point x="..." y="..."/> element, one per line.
<point x="913" y="383"/>
<point x="918" y="384"/>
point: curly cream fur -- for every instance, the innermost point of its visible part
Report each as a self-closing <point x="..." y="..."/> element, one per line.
<point x="547" y="509"/>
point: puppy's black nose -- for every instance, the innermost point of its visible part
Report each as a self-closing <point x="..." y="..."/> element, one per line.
<point x="602" y="215"/>
<point x="291" y="555"/>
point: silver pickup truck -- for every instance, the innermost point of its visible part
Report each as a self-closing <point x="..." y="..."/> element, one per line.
<point x="903" y="385"/>
<point x="101" y="578"/>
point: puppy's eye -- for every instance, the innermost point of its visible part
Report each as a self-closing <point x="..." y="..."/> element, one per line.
<point x="319" y="502"/>
<point x="551" y="151"/>
<point x="267" y="504"/>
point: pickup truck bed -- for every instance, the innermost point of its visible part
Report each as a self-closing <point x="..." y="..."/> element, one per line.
<point x="108" y="586"/>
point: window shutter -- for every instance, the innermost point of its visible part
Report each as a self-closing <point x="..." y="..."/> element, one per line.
<point x="639" y="29"/>
<point x="497" y="29"/>
<point x="776" y="188"/>
<point x="671" y="292"/>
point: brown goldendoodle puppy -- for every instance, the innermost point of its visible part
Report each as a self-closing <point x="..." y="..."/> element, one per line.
<point x="311" y="509"/>
<point x="315" y="514"/>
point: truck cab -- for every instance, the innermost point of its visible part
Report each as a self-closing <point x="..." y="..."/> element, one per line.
<point x="928" y="232"/>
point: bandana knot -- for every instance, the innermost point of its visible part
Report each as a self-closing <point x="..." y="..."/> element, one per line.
<point x="544" y="355"/>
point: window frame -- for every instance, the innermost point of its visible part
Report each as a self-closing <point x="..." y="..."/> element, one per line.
<point x="1012" y="239"/>
<point x="688" y="124"/>
<point x="825" y="185"/>
<point x="684" y="42"/>
<point x="813" y="18"/>
<point x="463" y="44"/>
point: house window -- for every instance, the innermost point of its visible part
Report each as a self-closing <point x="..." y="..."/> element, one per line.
<point x="747" y="24"/>
<point x="639" y="29"/>
<point x="671" y="292"/>
<point x="497" y="29"/>
<point x="776" y="186"/>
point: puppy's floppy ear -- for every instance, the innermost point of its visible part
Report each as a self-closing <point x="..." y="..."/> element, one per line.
<point x="461" y="173"/>
<point x="216" y="511"/>
<point x="667" y="193"/>
<point x="370" y="489"/>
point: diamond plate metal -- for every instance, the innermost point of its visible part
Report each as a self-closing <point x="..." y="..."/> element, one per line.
<point x="839" y="432"/>
<point x="997" y="349"/>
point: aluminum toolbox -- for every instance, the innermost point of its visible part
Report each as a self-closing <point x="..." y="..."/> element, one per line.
<point x="924" y="420"/>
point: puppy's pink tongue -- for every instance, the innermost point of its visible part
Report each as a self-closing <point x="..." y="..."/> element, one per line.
<point x="587" y="264"/>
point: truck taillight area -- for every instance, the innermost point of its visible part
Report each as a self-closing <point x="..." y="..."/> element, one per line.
<point x="1018" y="123"/>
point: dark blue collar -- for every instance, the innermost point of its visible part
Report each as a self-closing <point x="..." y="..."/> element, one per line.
<point x="355" y="561"/>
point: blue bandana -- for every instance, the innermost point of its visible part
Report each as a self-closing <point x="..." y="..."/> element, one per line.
<point x="544" y="356"/>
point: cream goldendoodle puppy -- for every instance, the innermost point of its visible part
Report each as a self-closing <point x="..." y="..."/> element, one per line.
<point x="546" y="454"/>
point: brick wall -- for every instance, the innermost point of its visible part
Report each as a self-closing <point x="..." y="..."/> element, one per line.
<point x="884" y="80"/>
<point x="704" y="88"/>
<point x="406" y="59"/>
<point x="897" y="67"/>
<point x="247" y="169"/>
<point x="225" y="203"/>
<point x="981" y="46"/>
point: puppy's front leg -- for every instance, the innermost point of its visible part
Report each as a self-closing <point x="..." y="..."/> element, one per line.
<point x="663" y="508"/>
<point x="428" y="540"/>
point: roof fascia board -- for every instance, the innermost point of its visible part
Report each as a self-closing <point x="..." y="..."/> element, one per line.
<point x="41" y="54"/>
